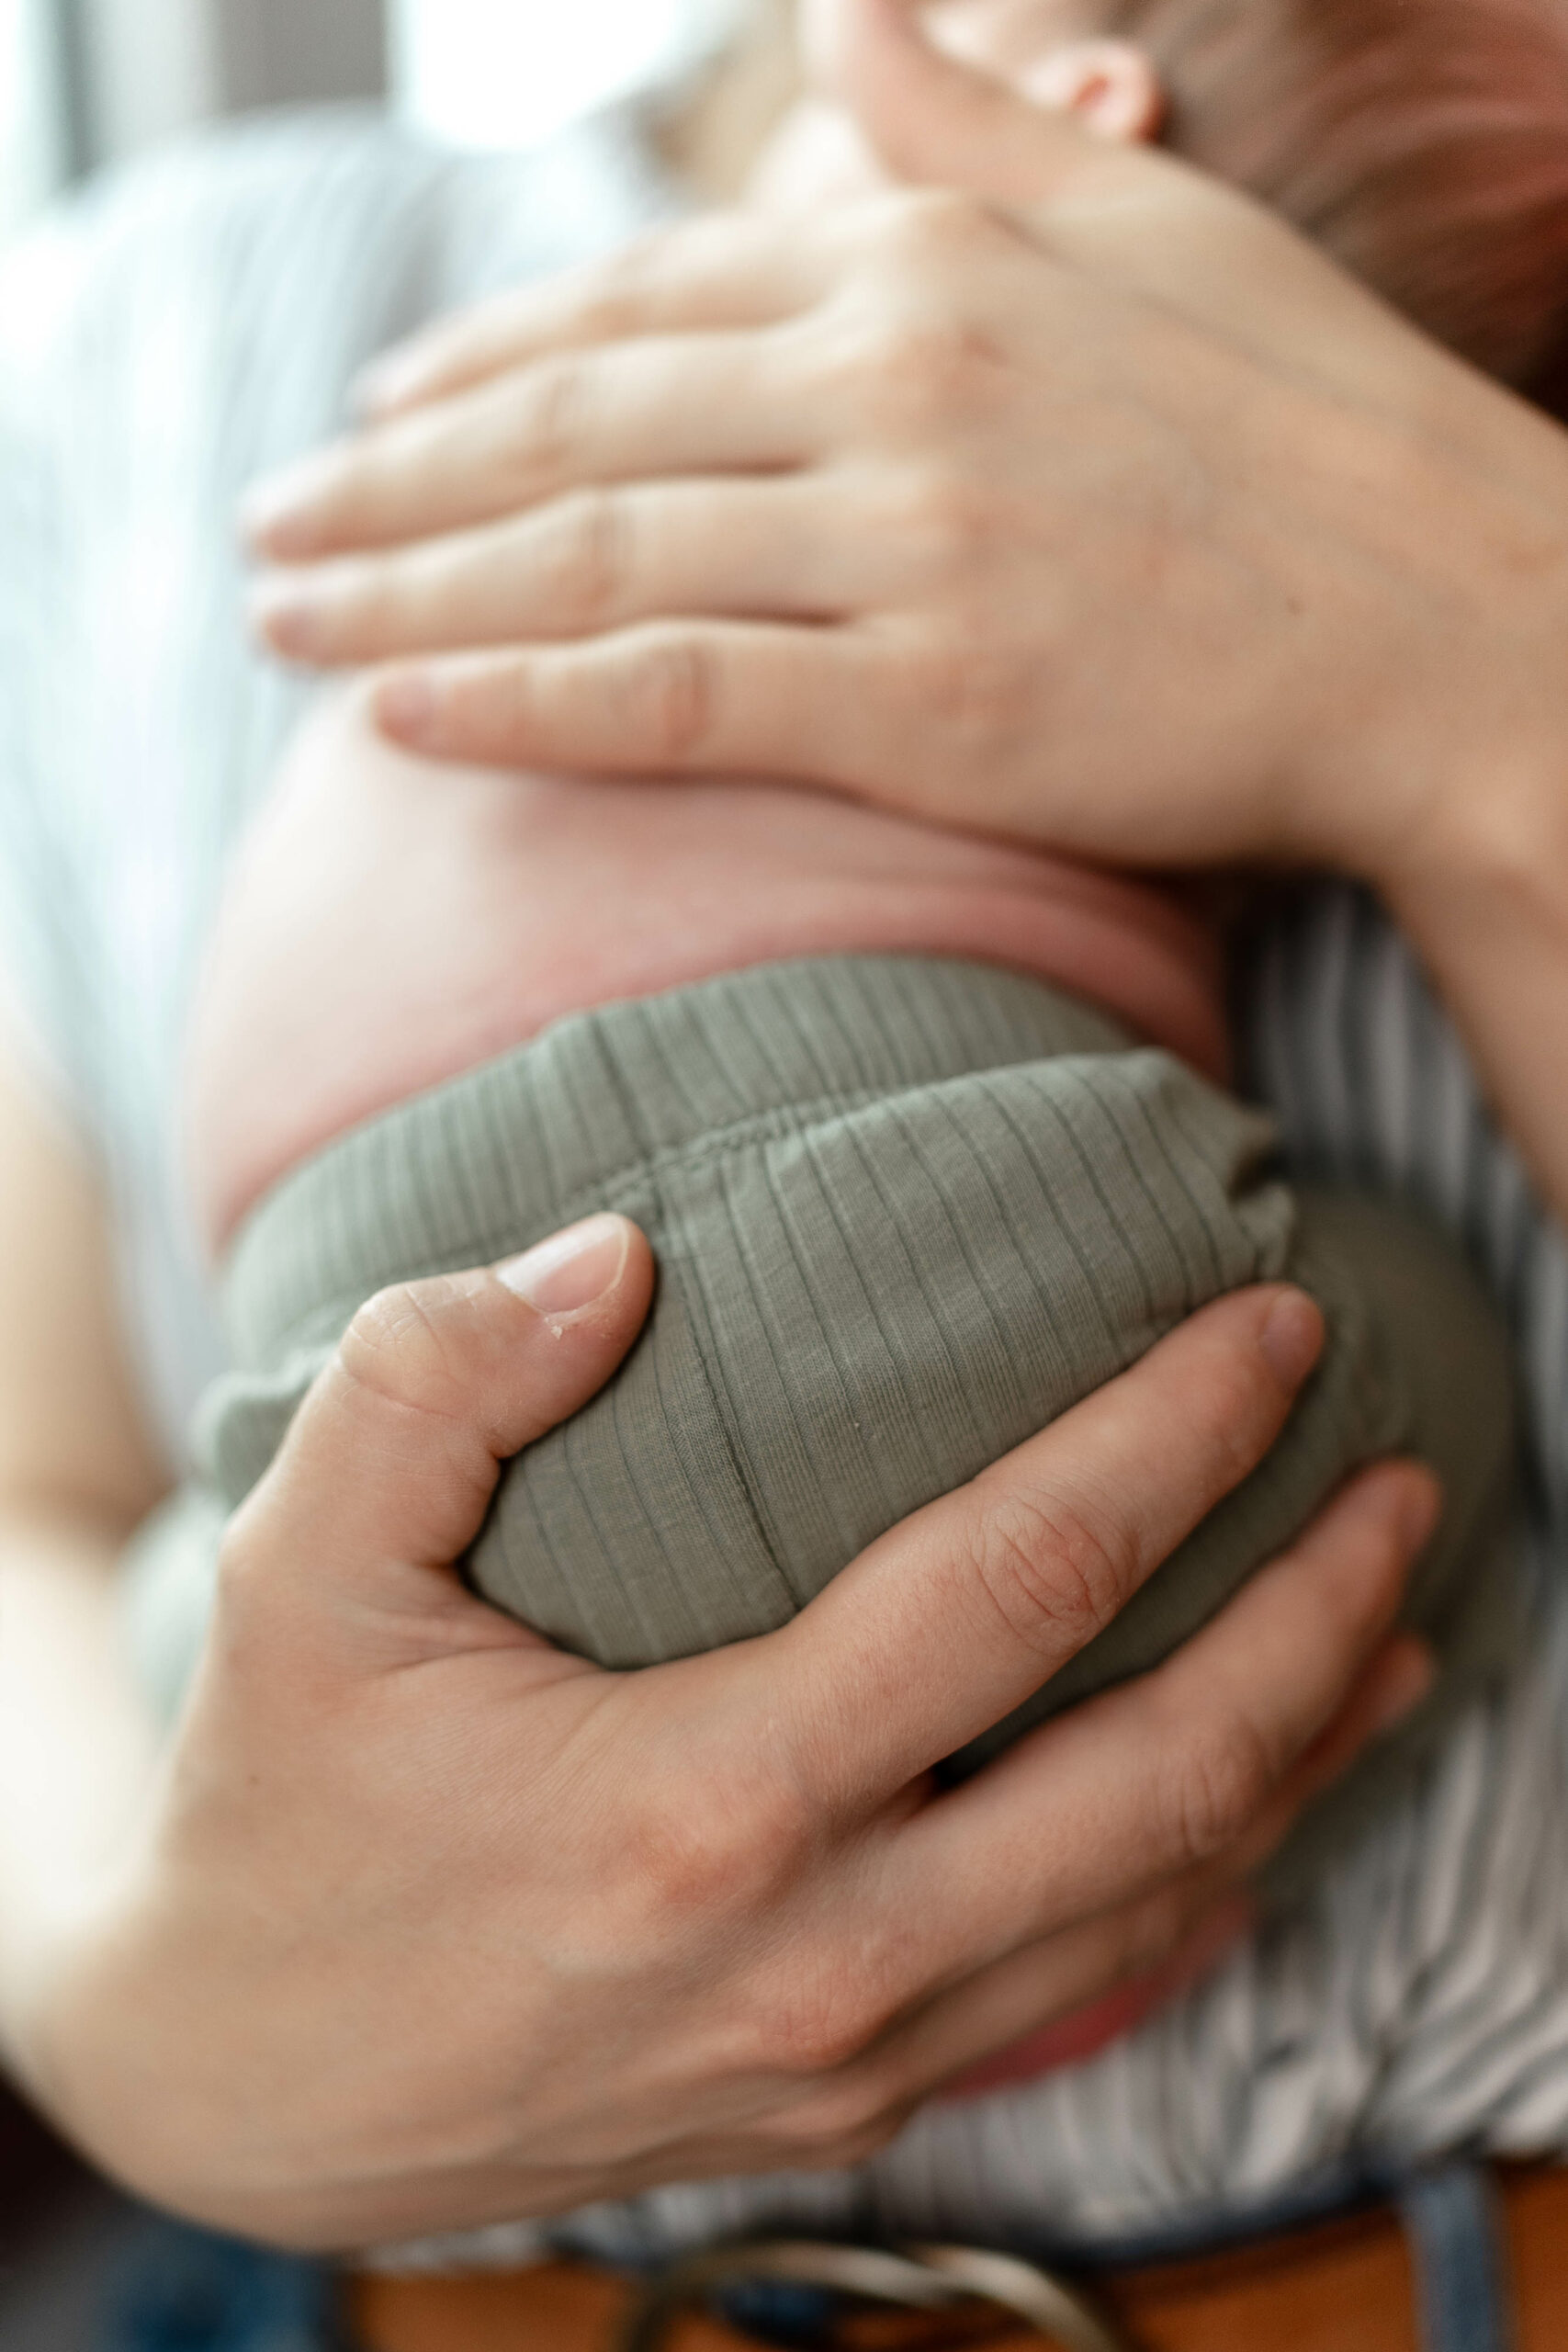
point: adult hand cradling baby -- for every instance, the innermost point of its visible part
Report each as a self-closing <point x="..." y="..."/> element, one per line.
<point x="603" y="1931"/>
<point x="1098" y="508"/>
<point x="792" y="497"/>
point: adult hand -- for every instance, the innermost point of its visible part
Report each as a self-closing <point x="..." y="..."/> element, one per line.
<point x="1103" y="511"/>
<point x="433" y="1924"/>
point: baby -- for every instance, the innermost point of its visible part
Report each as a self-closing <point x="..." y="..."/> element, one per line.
<point x="926" y="1132"/>
<point x="1422" y="142"/>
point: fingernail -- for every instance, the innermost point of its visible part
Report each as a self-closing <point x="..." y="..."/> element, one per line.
<point x="1291" y="1336"/>
<point x="277" y="514"/>
<point x="286" y="617"/>
<point x="1407" y="1677"/>
<point x="571" y="1270"/>
<point x="404" y="705"/>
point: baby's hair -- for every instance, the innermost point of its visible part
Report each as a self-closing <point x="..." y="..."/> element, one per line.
<point x="1423" y="142"/>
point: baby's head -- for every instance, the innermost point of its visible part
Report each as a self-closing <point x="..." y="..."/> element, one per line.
<point x="1422" y="142"/>
<point x="1425" y="142"/>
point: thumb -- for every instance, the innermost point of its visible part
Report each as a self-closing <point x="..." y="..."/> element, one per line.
<point x="393" y="1457"/>
<point x="935" y="120"/>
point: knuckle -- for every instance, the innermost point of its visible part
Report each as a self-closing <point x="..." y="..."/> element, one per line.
<point x="803" y="2042"/>
<point x="972" y="688"/>
<point x="1221" y="1787"/>
<point x="669" y="695"/>
<point x="945" y="518"/>
<point x="545" y="424"/>
<point x="704" y="1849"/>
<point x="816" y="2025"/>
<point x="403" y="1345"/>
<point x="920" y="376"/>
<point x="591" y="560"/>
<point x="1053" y="1571"/>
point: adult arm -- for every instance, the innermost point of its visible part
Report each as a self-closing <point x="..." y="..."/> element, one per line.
<point x="1101" y="509"/>
<point x="423" y="1923"/>
<point x="77" y="1470"/>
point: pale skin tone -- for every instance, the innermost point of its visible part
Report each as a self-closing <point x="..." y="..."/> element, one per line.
<point x="791" y="498"/>
<point x="466" y="1928"/>
<point x="441" y="2003"/>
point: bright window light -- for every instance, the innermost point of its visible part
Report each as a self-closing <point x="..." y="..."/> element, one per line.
<point x="29" y="141"/>
<point x="502" y="73"/>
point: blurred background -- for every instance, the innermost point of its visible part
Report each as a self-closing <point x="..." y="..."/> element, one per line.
<point x="86" y="83"/>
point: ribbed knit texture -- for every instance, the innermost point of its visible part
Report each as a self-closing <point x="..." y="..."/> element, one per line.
<point x="196" y="323"/>
<point x="907" y="1211"/>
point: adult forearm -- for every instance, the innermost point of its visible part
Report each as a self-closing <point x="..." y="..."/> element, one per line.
<point x="1249" y="572"/>
<point x="1488" y="909"/>
<point x="1442" y="776"/>
<point x="77" y="1750"/>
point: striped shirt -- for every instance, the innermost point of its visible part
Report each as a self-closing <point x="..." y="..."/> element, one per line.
<point x="164" y="339"/>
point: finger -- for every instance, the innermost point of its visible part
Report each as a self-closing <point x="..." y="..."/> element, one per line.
<point x="1062" y="1997"/>
<point x="1054" y="2002"/>
<point x="1131" y="1961"/>
<point x="1178" y="1767"/>
<point x="394" y="1454"/>
<point x="952" y="1619"/>
<point x="659" y="406"/>
<point x="1399" y="1678"/>
<point x="661" y="698"/>
<point x="1144" y="1957"/>
<point x="594" y="562"/>
<point x="1060" y="2001"/>
<point x="1118" y="1969"/>
<point x="1125" y="213"/>
<point x="727" y="269"/>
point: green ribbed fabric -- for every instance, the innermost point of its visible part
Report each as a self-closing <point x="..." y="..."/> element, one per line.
<point x="906" y="1212"/>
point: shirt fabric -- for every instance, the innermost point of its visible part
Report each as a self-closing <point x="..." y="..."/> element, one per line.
<point x="178" y="331"/>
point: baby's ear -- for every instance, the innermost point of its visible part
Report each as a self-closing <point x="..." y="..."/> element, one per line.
<point x="944" y="102"/>
<point x="1112" y="86"/>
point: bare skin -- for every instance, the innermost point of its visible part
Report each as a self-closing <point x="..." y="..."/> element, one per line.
<point x="792" y="499"/>
<point x="713" y="1949"/>
<point x="480" y="1931"/>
